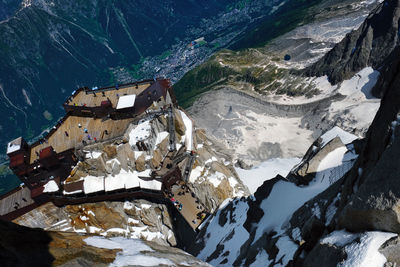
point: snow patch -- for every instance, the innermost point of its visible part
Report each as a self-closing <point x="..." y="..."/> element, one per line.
<point x="91" y="213"/>
<point x="344" y="136"/>
<point x="195" y="173"/>
<point x="50" y="186"/>
<point x="134" y="252"/>
<point x="339" y="238"/>
<point x="145" y="206"/>
<point x="331" y="210"/>
<point x="267" y="170"/>
<point x="287" y="248"/>
<point x="72" y="192"/>
<point x="210" y="160"/>
<point x="92" y="154"/>
<point x="160" y="137"/>
<point x="12" y="147"/>
<point x="216" y="178"/>
<point x="362" y="253"/>
<point x="316" y="211"/>
<point x="93" y="184"/>
<point x="217" y="234"/>
<point x="275" y="219"/>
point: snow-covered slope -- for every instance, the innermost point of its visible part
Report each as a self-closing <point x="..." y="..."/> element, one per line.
<point x="284" y="224"/>
<point x="235" y="237"/>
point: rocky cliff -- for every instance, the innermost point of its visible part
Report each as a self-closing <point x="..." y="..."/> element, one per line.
<point x="369" y="45"/>
<point x="22" y="246"/>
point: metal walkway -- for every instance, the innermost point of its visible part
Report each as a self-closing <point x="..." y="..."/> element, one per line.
<point x="189" y="166"/>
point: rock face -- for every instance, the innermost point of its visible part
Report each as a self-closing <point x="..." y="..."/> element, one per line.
<point x="306" y="170"/>
<point x="372" y="195"/>
<point x="368" y="196"/>
<point x="22" y="246"/>
<point x="135" y="219"/>
<point x="391" y="250"/>
<point x="325" y="255"/>
<point x="369" y="45"/>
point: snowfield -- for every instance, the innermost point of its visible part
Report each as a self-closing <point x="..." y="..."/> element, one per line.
<point x="267" y="170"/>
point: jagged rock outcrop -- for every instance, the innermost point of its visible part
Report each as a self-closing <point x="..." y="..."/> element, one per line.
<point x="369" y="45"/>
<point x="306" y="170"/>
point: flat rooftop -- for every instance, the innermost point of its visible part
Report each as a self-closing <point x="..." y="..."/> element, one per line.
<point x="95" y="97"/>
<point x="75" y="129"/>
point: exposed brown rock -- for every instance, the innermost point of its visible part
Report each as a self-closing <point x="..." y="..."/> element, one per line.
<point x="105" y="218"/>
<point x="179" y="125"/>
<point x="163" y="146"/>
<point x="201" y="135"/>
<point x="22" y="246"/>
<point x="156" y="159"/>
<point x="95" y="167"/>
<point x="69" y="247"/>
<point x="111" y="151"/>
<point x="141" y="163"/>
<point x="224" y="190"/>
